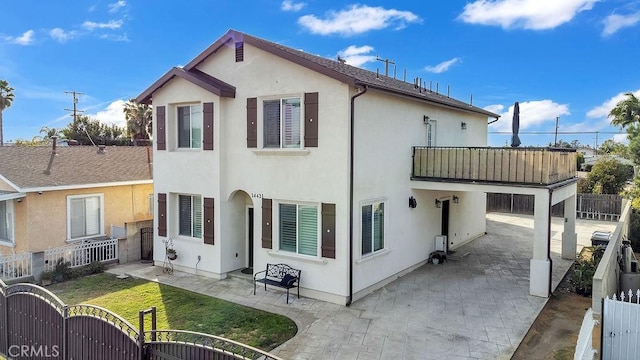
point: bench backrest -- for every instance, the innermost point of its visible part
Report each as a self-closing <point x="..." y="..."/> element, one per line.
<point x="278" y="271"/>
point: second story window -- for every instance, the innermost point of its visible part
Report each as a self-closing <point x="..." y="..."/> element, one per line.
<point x="190" y="126"/>
<point x="281" y="119"/>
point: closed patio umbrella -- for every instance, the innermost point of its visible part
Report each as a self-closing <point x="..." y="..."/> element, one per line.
<point x="515" y="125"/>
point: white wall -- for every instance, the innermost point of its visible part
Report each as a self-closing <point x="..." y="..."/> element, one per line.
<point x="385" y="133"/>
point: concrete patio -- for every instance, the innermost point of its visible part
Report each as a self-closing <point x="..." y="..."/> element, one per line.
<point x="475" y="307"/>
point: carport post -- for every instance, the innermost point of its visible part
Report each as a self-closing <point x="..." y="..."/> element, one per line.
<point x="569" y="236"/>
<point x="540" y="266"/>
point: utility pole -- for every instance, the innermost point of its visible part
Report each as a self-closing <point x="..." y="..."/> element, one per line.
<point x="386" y="64"/>
<point x="555" y="139"/>
<point x="75" y="110"/>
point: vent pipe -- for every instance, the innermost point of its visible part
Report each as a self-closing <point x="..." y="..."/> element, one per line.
<point x="101" y="149"/>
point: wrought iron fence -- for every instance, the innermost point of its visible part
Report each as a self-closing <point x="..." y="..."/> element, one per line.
<point x="35" y="323"/>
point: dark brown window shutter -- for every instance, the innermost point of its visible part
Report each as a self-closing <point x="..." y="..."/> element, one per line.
<point x="160" y="125"/>
<point x="239" y="51"/>
<point x="329" y="231"/>
<point x="311" y="119"/>
<point x="162" y="214"/>
<point x="252" y="122"/>
<point x="207" y="119"/>
<point x="208" y="221"/>
<point x="266" y="223"/>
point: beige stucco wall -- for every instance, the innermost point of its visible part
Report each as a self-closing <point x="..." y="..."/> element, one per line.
<point x="41" y="219"/>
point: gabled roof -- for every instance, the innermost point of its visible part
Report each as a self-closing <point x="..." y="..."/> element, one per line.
<point x="194" y="76"/>
<point x="342" y="72"/>
<point x="29" y="168"/>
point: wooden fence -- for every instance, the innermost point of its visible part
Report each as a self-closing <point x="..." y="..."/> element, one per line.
<point x="588" y="206"/>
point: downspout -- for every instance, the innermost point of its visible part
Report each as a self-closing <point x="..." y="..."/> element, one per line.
<point x="351" y="156"/>
<point x="549" y="242"/>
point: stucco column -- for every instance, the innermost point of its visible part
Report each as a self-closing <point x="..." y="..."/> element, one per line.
<point x="540" y="266"/>
<point x="569" y="236"/>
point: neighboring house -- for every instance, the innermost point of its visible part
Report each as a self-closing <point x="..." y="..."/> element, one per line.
<point x="266" y="154"/>
<point x="50" y="197"/>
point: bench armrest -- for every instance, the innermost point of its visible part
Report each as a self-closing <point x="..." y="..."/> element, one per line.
<point x="255" y="276"/>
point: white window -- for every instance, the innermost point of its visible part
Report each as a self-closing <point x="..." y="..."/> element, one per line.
<point x="372" y="228"/>
<point x="6" y="221"/>
<point x="190" y="216"/>
<point x="281" y="123"/>
<point x="190" y="126"/>
<point x="298" y="229"/>
<point x="85" y="216"/>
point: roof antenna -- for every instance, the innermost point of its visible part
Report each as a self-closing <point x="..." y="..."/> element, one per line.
<point x="471" y="101"/>
<point x="448" y="90"/>
<point x="386" y="64"/>
<point x="405" y="75"/>
<point x="438" y="88"/>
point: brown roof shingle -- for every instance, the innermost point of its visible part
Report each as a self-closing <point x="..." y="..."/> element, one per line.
<point x="74" y="166"/>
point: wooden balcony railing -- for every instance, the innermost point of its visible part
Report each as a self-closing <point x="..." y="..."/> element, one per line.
<point x="539" y="166"/>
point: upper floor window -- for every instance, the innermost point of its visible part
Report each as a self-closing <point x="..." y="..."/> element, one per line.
<point x="190" y="126"/>
<point x="281" y="121"/>
<point x="85" y="216"/>
<point x="372" y="228"/>
<point x="6" y="220"/>
<point x="298" y="228"/>
<point x="190" y="216"/>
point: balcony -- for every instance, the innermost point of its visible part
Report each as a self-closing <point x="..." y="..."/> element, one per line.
<point x="531" y="166"/>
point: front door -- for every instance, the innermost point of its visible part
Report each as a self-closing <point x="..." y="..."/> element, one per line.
<point x="445" y="222"/>
<point x="250" y="236"/>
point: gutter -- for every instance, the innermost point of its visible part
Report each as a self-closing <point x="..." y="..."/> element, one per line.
<point x="549" y="243"/>
<point x="351" y="156"/>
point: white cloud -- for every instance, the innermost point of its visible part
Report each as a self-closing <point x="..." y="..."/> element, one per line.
<point x="357" y="19"/>
<point x="25" y="39"/>
<point x="112" y="115"/>
<point x="613" y="23"/>
<point x="496" y="109"/>
<point x="357" y="55"/>
<point x="113" y="37"/>
<point x="442" y="67"/>
<point x="532" y="113"/>
<point x="113" y="24"/>
<point x="621" y="138"/>
<point x="116" y="6"/>
<point x="289" y="5"/>
<point x="602" y="111"/>
<point x="525" y="14"/>
<point x="61" y="35"/>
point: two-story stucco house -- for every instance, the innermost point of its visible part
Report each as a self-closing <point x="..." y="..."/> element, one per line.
<point x="267" y="154"/>
<point x="51" y="197"/>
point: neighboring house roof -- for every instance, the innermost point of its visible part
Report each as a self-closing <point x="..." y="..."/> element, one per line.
<point x="30" y="168"/>
<point x="340" y="71"/>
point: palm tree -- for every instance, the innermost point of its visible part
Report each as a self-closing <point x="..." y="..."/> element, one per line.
<point x="626" y="112"/>
<point x="48" y="133"/>
<point x="138" y="119"/>
<point x="6" y="97"/>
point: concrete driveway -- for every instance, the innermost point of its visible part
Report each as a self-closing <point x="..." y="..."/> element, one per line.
<point x="475" y="307"/>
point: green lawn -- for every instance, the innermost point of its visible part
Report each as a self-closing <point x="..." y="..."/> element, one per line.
<point x="178" y="309"/>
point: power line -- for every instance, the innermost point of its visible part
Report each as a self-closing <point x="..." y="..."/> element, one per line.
<point x="559" y="132"/>
<point x="75" y="110"/>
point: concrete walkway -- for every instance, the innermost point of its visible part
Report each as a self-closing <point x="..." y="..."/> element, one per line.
<point x="476" y="307"/>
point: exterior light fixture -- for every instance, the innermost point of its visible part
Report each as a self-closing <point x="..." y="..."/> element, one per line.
<point x="463" y="125"/>
<point x="456" y="199"/>
<point x="438" y="203"/>
<point x="426" y="119"/>
<point x="412" y="202"/>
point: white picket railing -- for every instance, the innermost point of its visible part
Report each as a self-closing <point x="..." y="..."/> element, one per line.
<point x="82" y="254"/>
<point x="584" y="345"/>
<point x="620" y="324"/>
<point x="16" y="266"/>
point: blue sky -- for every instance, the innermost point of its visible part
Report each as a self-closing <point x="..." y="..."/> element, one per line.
<point x="572" y="59"/>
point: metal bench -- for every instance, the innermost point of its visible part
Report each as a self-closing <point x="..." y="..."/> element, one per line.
<point x="279" y="275"/>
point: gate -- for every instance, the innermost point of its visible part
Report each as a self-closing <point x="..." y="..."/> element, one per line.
<point x="36" y="324"/>
<point x="146" y="244"/>
<point x="620" y="322"/>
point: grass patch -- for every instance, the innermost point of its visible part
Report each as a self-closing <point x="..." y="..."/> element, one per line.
<point x="178" y="309"/>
